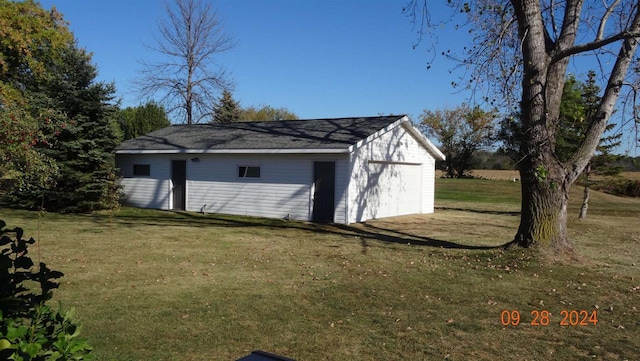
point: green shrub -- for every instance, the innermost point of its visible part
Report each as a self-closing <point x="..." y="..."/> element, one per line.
<point x="29" y="328"/>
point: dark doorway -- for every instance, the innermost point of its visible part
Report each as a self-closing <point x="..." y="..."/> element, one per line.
<point x="324" y="180"/>
<point x="179" y="180"/>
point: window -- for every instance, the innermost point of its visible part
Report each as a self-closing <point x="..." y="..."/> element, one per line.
<point x="141" y="169"/>
<point x="248" y="172"/>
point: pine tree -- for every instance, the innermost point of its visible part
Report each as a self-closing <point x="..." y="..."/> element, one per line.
<point x="84" y="147"/>
<point x="579" y="103"/>
<point x="227" y="109"/>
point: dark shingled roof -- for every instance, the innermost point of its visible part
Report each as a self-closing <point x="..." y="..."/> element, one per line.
<point x="337" y="133"/>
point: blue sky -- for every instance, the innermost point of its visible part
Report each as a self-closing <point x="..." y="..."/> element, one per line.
<point x="318" y="58"/>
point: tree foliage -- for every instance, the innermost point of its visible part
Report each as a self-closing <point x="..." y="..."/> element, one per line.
<point x="29" y="328"/>
<point x="519" y="57"/>
<point x="84" y="147"/>
<point x="226" y="109"/>
<point x="461" y="132"/>
<point x="56" y="120"/>
<point x="24" y="167"/>
<point x="190" y="39"/>
<point x="143" y="119"/>
<point x="31" y="39"/>
<point x="266" y="113"/>
<point x="579" y="104"/>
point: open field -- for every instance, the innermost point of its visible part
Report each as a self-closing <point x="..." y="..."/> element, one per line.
<point x="152" y="285"/>
<point x="511" y="174"/>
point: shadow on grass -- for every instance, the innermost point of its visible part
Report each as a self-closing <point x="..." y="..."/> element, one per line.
<point x="481" y="211"/>
<point x="395" y="236"/>
<point x="364" y="231"/>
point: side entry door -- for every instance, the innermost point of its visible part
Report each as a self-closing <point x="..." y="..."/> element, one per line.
<point x="179" y="181"/>
<point x="324" y="180"/>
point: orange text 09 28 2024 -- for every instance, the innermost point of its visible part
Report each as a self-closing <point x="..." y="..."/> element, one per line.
<point x="545" y="318"/>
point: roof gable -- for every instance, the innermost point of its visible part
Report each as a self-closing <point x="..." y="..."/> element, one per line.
<point x="329" y="135"/>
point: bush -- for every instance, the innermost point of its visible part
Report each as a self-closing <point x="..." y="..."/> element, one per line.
<point x="629" y="188"/>
<point x="29" y="328"/>
<point x="617" y="186"/>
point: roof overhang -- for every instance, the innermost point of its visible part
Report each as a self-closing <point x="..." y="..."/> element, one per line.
<point x="408" y="125"/>
<point x="431" y="148"/>
<point x="233" y="151"/>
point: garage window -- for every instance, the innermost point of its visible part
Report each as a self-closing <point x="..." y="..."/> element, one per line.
<point x="245" y="171"/>
<point x="141" y="170"/>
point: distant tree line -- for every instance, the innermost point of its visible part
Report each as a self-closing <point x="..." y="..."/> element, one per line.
<point x="227" y="110"/>
<point x="472" y="138"/>
<point x="497" y="160"/>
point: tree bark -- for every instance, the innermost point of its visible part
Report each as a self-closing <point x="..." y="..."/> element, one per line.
<point x="585" y="197"/>
<point x="543" y="217"/>
<point x="545" y="180"/>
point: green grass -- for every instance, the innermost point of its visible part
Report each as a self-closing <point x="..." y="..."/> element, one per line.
<point x="153" y="285"/>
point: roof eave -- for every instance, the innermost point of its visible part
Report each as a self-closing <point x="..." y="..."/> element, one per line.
<point x="378" y="133"/>
<point x="431" y="148"/>
<point x="235" y="151"/>
<point x="408" y="125"/>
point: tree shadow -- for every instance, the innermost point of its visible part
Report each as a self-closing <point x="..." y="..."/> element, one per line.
<point x="365" y="232"/>
<point x="480" y="211"/>
<point x="400" y="237"/>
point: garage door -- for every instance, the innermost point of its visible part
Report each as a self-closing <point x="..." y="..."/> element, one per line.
<point x="395" y="189"/>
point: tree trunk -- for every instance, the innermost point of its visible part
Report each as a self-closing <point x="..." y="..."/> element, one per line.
<point x="543" y="220"/>
<point x="585" y="198"/>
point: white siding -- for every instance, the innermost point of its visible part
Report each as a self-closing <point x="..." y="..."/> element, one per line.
<point x="391" y="174"/>
<point x="284" y="187"/>
<point x="145" y="191"/>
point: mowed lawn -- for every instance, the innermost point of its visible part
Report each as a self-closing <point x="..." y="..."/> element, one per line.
<point x="153" y="285"/>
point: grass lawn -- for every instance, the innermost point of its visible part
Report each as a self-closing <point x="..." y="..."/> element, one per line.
<point x="153" y="285"/>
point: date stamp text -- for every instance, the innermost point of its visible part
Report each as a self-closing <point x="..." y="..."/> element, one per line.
<point x="545" y="318"/>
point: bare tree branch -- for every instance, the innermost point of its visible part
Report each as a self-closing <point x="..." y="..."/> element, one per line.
<point x="188" y="78"/>
<point x="604" y="19"/>
<point x="520" y="53"/>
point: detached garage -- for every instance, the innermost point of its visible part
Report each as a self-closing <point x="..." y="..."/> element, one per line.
<point x="341" y="170"/>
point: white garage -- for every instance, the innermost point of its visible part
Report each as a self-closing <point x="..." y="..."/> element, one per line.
<point x="341" y="170"/>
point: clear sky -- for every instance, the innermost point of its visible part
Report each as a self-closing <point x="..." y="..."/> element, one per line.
<point x="318" y="58"/>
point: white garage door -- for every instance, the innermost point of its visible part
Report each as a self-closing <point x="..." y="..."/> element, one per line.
<point x="395" y="189"/>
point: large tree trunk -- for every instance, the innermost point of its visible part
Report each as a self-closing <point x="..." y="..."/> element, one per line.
<point x="545" y="196"/>
<point x="545" y="180"/>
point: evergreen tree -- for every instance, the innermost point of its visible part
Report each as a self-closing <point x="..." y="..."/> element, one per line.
<point x="579" y="104"/>
<point x="604" y="162"/>
<point x="227" y="109"/>
<point x="57" y="129"/>
<point x="83" y="149"/>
